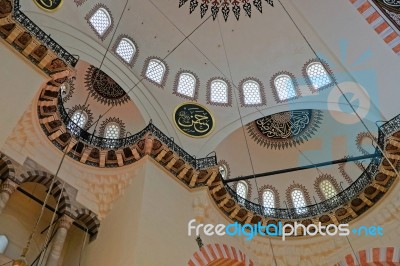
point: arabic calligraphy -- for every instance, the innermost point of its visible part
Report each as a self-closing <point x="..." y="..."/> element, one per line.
<point x="394" y="3"/>
<point x="49" y="5"/>
<point x="285" y="129"/>
<point x="193" y="120"/>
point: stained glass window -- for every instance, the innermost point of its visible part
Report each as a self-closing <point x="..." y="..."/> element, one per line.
<point x="327" y="189"/>
<point x="318" y="75"/>
<point x="112" y="131"/>
<point x="219" y="91"/>
<point x="79" y="118"/>
<point x="241" y="189"/>
<point x="284" y="87"/>
<point x="251" y="93"/>
<point x="298" y="201"/>
<point x="186" y="85"/>
<point x="155" y="71"/>
<point x="126" y="50"/>
<point x="100" y="21"/>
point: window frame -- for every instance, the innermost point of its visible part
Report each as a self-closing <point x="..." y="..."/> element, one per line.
<point x="195" y="89"/>
<point x="92" y="12"/>
<point x="228" y="92"/>
<point x="261" y="91"/>
<point x="327" y="70"/>
<point x="165" y="74"/>
<point x="84" y="114"/>
<point x="109" y="124"/>
<point x="275" y="90"/>
<point x="135" y="55"/>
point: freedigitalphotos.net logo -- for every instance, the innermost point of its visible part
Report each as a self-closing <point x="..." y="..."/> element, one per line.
<point x="282" y="230"/>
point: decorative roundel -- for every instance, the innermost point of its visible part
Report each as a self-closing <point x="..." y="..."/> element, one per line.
<point x="285" y="129"/>
<point x="103" y="88"/>
<point x="49" y="5"/>
<point x="193" y="120"/>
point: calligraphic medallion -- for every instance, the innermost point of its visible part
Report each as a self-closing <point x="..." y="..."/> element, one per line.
<point x="285" y="129"/>
<point x="49" y="5"/>
<point x="193" y="120"/>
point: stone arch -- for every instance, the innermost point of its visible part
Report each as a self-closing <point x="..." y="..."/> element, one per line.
<point x="45" y="179"/>
<point x="214" y="252"/>
<point x="7" y="169"/>
<point x="376" y="256"/>
<point x="90" y="220"/>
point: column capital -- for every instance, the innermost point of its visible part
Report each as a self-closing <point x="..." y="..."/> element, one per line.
<point x="8" y="186"/>
<point x="65" y="222"/>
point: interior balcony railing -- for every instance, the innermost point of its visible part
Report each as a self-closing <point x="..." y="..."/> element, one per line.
<point x="45" y="38"/>
<point x="338" y="200"/>
<point x="114" y="144"/>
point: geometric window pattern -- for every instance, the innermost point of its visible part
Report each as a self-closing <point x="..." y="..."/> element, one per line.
<point x="285" y="87"/>
<point x="327" y="189"/>
<point x="318" y="75"/>
<point x="219" y="91"/>
<point x="251" y="93"/>
<point x="298" y="200"/>
<point x="112" y="131"/>
<point x="187" y="85"/>
<point x="126" y="50"/>
<point x="100" y="21"/>
<point x="155" y="71"/>
<point x="79" y="118"/>
<point x="268" y="199"/>
<point x="241" y="189"/>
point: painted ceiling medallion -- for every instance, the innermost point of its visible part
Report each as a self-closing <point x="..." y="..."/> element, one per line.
<point x="103" y="88"/>
<point x="49" y="5"/>
<point x="225" y="7"/>
<point x="285" y="129"/>
<point x="193" y="120"/>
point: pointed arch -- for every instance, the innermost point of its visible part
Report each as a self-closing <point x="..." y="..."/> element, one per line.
<point x="213" y="252"/>
<point x="90" y="220"/>
<point x="7" y="169"/>
<point x="45" y="179"/>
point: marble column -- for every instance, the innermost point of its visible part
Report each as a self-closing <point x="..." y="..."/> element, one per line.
<point x="6" y="189"/>
<point x="58" y="240"/>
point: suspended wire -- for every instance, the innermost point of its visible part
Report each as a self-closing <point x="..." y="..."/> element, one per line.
<point x="338" y="87"/>
<point x="83" y="246"/>
<point x="239" y="112"/>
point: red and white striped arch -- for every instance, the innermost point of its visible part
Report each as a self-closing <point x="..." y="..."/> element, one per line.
<point x="213" y="252"/>
<point x="389" y="256"/>
<point x="378" y="23"/>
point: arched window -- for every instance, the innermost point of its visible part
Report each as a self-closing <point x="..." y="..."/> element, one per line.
<point x="64" y="90"/>
<point x="223" y="171"/>
<point x="112" y="131"/>
<point x="186" y="86"/>
<point x="3" y="243"/>
<point x="218" y="92"/>
<point x="298" y="201"/>
<point x="268" y="199"/>
<point x="126" y="49"/>
<point x="285" y="87"/>
<point x="242" y="189"/>
<point x="251" y="93"/>
<point x="327" y="189"/>
<point x="79" y="117"/>
<point x="318" y="76"/>
<point x="155" y="71"/>
<point x="100" y="20"/>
